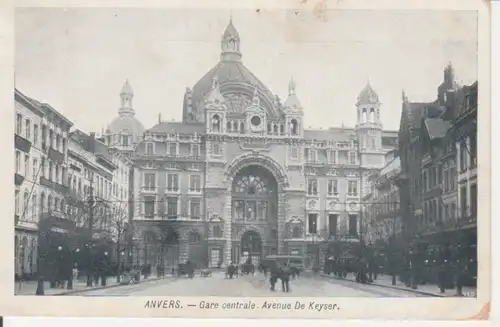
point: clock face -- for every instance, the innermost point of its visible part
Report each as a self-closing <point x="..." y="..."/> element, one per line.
<point x="256" y="123"/>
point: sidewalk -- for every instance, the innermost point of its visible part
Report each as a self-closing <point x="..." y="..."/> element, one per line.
<point x="79" y="286"/>
<point x="429" y="289"/>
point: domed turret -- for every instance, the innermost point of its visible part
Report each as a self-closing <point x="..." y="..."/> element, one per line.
<point x="125" y="130"/>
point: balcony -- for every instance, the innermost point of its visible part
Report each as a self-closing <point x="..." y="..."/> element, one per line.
<point x="56" y="155"/>
<point x="149" y="189"/>
<point x="18" y="179"/>
<point x="22" y="144"/>
<point x="53" y="185"/>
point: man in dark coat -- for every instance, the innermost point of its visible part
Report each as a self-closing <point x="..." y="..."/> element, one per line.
<point x="275" y="274"/>
<point x="285" y="278"/>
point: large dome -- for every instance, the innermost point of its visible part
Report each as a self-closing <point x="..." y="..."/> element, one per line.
<point x="237" y="83"/>
<point x="126" y="125"/>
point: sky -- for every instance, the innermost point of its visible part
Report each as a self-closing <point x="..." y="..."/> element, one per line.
<point x="77" y="60"/>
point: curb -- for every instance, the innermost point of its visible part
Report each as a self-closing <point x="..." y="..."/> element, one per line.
<point x="71" y="292"/>
<point x="390" y="286"/>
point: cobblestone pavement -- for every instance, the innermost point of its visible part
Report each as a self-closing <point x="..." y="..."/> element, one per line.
<point x="251" y="286"/>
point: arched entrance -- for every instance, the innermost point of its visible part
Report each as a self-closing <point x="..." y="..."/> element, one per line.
<point x="251" y="247"/>
<point x="254" y="199"/>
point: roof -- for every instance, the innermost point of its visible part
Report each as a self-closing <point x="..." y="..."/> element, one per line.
<point x="127" y="89"/>
<point x="436" y="127"/>
<point x="227" y="72"/>
<point x="125" y="123"/>
<point x="91" y="144"/>
<point x="368" y="95"/>
<point x="44" y="107"/>
<point x="178" y="127"/>
<point x="331" y="134"/>
<point x="231" y="31"/>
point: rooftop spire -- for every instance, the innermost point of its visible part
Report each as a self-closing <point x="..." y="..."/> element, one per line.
<point x="230" y="43"/>
<point x="126" y="96"/>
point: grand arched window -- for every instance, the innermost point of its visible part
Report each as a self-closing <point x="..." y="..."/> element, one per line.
<point x="253" y="190"/>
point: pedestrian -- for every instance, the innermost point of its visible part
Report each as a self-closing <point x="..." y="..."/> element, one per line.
<point x="285" y="278"/>
<point x="442" y="277"/>
<point x="274" y="277"/>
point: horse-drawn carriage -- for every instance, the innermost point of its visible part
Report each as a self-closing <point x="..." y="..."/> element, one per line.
<point x="295" y="262"/>
<point x="185" y="269"/>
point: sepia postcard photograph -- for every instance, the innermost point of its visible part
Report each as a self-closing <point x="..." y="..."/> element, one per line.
<point x="307" y="159"/>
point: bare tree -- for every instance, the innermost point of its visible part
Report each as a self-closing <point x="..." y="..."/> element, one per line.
<point x="117" y="229"/>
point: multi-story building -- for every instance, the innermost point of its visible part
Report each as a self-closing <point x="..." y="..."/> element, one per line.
<point x="28" y="157"/>
<point x="465" y="137"/>
<point x="438" y="219"/>
<point x="383" y="219"/>
<point x="41" y="135"/>
<point x="240" y="177"/>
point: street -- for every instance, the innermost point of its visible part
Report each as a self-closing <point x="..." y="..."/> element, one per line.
<point x="249" y="286"/>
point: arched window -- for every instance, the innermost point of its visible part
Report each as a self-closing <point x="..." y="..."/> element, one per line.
<point x="282" y="129"/>
<point x="235" y="127"/>
<point x="372" y="115"/>
<point x="269" y="128"/>
<point x="275" y="129"/>
<point x="294" y="127"/>
<point x="215" y="123"/>
<point x="251" y="185"/>
<point x="228" y="127"/>
<point x="242" y="128"/>
<point x="363" y="115"/>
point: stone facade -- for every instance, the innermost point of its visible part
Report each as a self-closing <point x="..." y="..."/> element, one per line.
<point x="240" y="176"/>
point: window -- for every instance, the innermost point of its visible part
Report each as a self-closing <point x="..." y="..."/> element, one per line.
<point x="58" y="142"/>
<point x="425" y="181"/>
<point x="18" y="162"/>
<point x="312" y="187"/>
<point x="215" y="123"/>
<point x="332" y="224"/>
<point x="28" y="129"/>
<point x="173" y="182"/>
<point x="172" y="207"/>
<point x="294" y="152"/>
<point x="332" y="187"/>
<point x="149" y="149"/>
<point x="312" y="219"/>
<point x="125" y="140"/>
<point x="44" y="137"/>
<point x="242" y="128"/>
<point x="312" y="155"/>
<point x="463" y="201"/>
<point x="19" y="124"/>
<point x="51" y="138"/>
<point x="49" y="203"/>
<point x="440" y="174"/>
<point x="293" y="127"/>
<point x="216" y="149"/>
<point x="34" y="207"/>
<point x="26" y="165"/>
<point x="297" y="232"/>
<point x="332" y="156"/>
<point x="351" y="158"/>
<point x="463" y="156"/>
<point x="57" y="174"/>
<point x="16" y="203"/>
<point x="149" y="207"/>
<point x="194" y="183"/>
<point x="195" y="208"/>
<point x="149" y="181"/>
<point x="453" y="178"/>
<point x="352" y="188"/>
<point x="193" y="237"/>
<point x="35" y="170"/>
<point x="446" y="178"/>
<point x="353" y="225"/>
<point x="35" y="134"/>
<point x="56" y="204"/>
<point x="473" y="149"/>
<point x="195" y="150"/>
<point x="217" y="231"/>
<point x="63" y="145"/>
<point x="473" y="200"/>
<point x="262" y="210"/>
